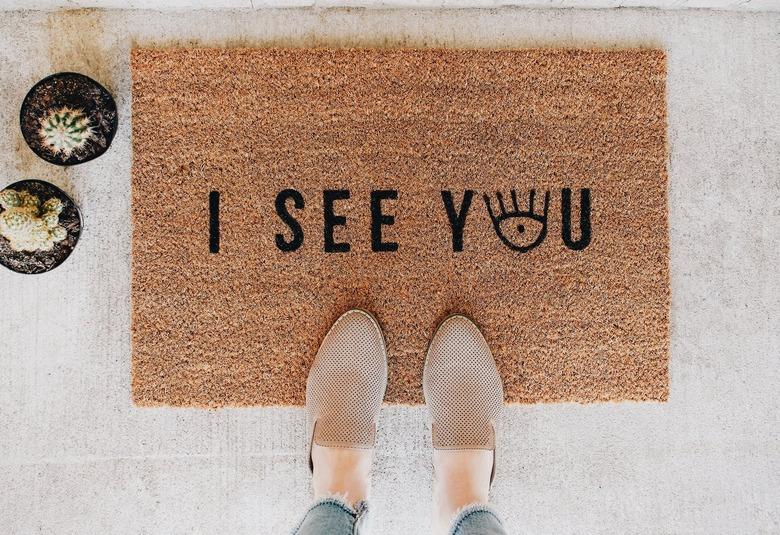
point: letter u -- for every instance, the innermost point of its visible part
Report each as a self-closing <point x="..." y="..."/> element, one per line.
<point x="584" y="239"/>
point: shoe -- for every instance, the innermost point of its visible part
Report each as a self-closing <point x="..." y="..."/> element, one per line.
<point x="346" y="384"/>
<point x="463" y="389"/>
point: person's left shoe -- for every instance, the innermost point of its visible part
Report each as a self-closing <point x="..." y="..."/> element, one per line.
<point x="346" y="384"/>
<point x="463" y="388"/>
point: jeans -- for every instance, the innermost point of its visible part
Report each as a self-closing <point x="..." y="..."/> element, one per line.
<point x="332" y="516"/>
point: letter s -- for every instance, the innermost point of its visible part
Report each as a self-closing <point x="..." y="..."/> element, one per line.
<point x="281" y="210"/>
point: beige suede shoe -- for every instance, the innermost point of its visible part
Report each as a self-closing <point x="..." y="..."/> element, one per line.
<point x="346" y="383"/>
<point x="462" y="387"/>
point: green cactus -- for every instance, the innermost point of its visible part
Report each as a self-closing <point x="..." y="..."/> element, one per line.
<point x="65" y="131"/>
<point x="28" y="224"/>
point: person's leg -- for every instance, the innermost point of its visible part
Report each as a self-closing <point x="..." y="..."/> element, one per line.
<point x="344" y="394"/>
<point x="462" y="479"/>
<point x="341" y="471"/>
<point x="464" y="394"/>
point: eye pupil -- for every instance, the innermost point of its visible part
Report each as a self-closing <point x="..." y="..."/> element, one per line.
<point x="520" y="228"/>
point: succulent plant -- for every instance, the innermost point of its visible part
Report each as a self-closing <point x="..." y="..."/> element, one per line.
<point x="29" y="225"/>
<point x="65" y="130"/>
<point x="68" y="118"/>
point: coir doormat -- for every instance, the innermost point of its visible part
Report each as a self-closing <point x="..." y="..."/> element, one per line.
<point x="273" y="189"/>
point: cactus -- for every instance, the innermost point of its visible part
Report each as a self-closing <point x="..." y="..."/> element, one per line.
<point x="28" y="224"/>
<point x="65" y="130"/>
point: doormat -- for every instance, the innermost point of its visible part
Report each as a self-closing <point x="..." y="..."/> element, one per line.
<point x="274" y="189"/>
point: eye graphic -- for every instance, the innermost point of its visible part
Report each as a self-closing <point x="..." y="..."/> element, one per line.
<point x="520" y="230"/>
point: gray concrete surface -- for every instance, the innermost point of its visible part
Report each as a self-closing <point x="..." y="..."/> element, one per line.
<point x="735" y="5"/>
<point x="77" y="457"/>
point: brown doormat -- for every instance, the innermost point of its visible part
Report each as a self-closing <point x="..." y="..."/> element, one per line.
<point x="273" y="189"/>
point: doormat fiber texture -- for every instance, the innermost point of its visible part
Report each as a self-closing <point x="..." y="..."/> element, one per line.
<point x="274" y="189"/>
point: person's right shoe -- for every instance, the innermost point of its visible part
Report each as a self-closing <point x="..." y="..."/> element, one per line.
<point x="463" y="388"/>
<point x="346" y="384"/>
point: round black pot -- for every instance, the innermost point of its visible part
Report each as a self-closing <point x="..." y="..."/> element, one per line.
<point x="77" y="92"/>
<point x="35" y="262"/>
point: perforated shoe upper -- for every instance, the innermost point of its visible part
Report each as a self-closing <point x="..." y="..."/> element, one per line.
<point x="347" y="382"/>
<point x="462" y="386"/>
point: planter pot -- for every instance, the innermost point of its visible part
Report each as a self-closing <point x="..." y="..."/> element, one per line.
<point x="69" y="218"/>
<point x="68" y="118"/>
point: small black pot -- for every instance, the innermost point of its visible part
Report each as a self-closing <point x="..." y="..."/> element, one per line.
<point x="41" y="261"/>
<point x="77" y="92"/>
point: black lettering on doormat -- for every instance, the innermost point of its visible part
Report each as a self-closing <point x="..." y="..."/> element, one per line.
<point x="584" y="240"/>
<point x="457" y="218"/>
<point x="512" y="224"/>
<point x="214" y="222"/>
<point x="518" y="228"/>
<point x="329" y="196"/>
<point x="379" y="219"/>
<point x="281" y="210"/>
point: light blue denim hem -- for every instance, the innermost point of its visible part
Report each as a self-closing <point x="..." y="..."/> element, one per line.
<point x="357" y="512"/>
<point x="464" y="513"/>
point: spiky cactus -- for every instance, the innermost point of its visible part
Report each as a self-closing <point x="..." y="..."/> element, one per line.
<point x="65" y="130"/>
<point x="28" y="224"/>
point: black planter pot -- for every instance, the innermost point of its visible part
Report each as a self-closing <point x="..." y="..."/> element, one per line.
<point x="92" y="104"/>
<point x="42" y="261"/>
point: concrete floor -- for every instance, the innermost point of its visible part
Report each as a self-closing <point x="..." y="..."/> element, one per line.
<point x="77" y="457"/>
